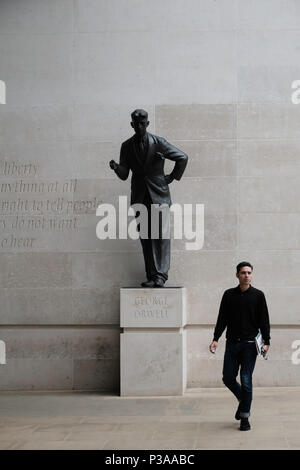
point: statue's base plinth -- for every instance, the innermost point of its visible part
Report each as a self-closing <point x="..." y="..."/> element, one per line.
<point x="153" y="342"/>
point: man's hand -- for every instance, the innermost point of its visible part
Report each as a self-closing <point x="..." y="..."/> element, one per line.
<point x="113" y="165"/>
<point x="266" y="347"/>
<point x="213" y="346"/>
<point x="169" y="179"/>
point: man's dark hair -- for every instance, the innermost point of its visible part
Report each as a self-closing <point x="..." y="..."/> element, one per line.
<point x="139" y="113"/>
<point x="242" y="265"/>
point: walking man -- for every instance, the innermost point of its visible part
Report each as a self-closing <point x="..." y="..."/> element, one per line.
<point x="244" y="312"/>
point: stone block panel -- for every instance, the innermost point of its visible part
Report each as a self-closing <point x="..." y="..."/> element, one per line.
<point x="96" y="306"/>
<point x="41" y="72"/>
<point x="152" y="363"/>
<point x="208" y="158"/>
<point x="269" y="158"/>
<point x="276" y="231"/>
<point x="37" y="374"/>
<point x="30" y="270"/>
<point x="268" y="121"/>
<point x="256" y="15"/>
<point x="207" y="191"/>
<point x="95" y="15"/>
<point x="107" y="270"/>
<point x="269" y="194"/>
<point x="196" y="122"/>
<point x="37" y="123"/>
<point x="102" y="375"/>
<point x="36" y="306"/>
<point x="29" y="17"/>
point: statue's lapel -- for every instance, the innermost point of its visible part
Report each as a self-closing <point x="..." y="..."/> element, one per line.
<point x="151" y="148"/>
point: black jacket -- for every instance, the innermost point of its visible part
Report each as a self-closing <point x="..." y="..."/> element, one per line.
<point x="150" y="174"/>
<point x="243" y="313"/>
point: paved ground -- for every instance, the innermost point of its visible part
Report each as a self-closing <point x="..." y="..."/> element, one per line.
<point x="201" y="419"/>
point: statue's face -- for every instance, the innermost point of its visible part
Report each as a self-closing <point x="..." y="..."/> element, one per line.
<point x="140" y="125"/>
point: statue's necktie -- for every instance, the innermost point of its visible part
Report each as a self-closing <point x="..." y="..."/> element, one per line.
<point x="142" y="150"/>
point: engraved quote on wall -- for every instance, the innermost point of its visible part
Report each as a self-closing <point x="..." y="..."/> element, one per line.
<point x="32" y="207"/>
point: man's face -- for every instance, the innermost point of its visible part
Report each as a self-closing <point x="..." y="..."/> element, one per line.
<point x="245" y="276"/>
<point x="140" y="125"/>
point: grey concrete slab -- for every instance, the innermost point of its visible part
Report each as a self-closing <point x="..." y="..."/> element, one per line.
<point x="37" y="343"/>
<point x="266" y="84"/>
<point x="92" y="343"/>
<point x="189" y="54"/>
<point x="208" y="158"/>
<point x="90" y="271"/>
<point x="277" y="231"/>
<point x="85" y="238"/>
<point x="35" y="306"/>
<point x="203" y="268"/>
<point x="39" y="123"/>
<point x="94" y="122"/>
<point x="207" y="191"/>
<point x="201" y="419"/>
<point x="37" y="374"/>
<point x="280" y="197"/>
<point x="30" y="17"/>
<point x="196" y="122"/>
<point x="92" y="158"/>
<point x="42" y="74"/>
<point x="97" y="374"/>
<point x="29" y="270"/>
<point x="220" y="233"/>
<point x="278" y="298"/>
<point x="96" y="306"/>
<point x="51" y="160"/>
<point x="268" y="121"/>
<point x="269" y="157"/>
<point x="92" y="16"/>
<point x="105" y="192"/>
<point x="256" y="15"/>
<point x="267" y="48"/>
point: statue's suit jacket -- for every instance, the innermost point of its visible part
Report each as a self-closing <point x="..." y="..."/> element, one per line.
<point x="150" y="173"/>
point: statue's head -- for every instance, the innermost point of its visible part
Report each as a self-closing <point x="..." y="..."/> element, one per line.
<point x="139" y="121"/>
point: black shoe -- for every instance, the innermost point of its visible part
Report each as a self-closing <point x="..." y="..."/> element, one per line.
<point x="159" y="282"/>
<point x="237" y="414"/>
<point x="149" y="283"/>
<point x="245" y="425"/>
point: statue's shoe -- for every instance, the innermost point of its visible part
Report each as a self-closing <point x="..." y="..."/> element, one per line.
<point x="149" y="283"/>
<point x="159" y="282"/>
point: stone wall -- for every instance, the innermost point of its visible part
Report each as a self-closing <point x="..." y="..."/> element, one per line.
<point x="215" y="77"/>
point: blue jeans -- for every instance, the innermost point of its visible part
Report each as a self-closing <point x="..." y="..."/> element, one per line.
<point x="242" y="354"/>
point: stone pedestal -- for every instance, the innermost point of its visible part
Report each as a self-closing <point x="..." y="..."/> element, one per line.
<point x="153" y="342"/>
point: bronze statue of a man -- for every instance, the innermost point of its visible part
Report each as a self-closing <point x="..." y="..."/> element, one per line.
<point x="144" y="154"/>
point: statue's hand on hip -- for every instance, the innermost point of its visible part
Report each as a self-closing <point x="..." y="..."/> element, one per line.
<point x="113" y="165"/>
<point x="169" y="179"/>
